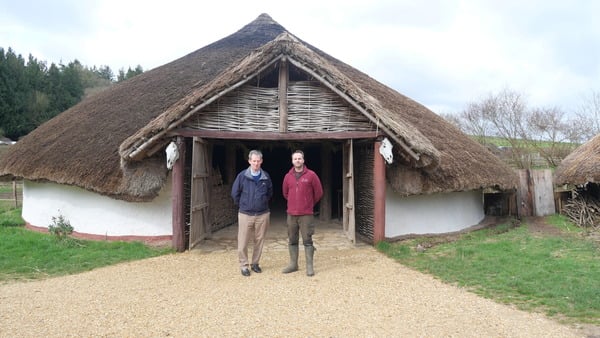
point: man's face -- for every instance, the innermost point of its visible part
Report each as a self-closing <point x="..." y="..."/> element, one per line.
<point x="298" y="160"/>
<point x="255" y="162"/>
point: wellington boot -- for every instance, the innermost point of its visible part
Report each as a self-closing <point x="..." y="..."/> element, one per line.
<point x="293" y="266"/>
<point x="309" y="251"/>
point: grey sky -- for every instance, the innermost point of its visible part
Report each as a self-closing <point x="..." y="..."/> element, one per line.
<point x="443" y="54"/>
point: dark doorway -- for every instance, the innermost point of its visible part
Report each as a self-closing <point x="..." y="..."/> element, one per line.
<point x="278" y="161"/>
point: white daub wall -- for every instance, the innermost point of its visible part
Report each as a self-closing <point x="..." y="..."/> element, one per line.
<point x="91" y="213"/>
<point x="432" y="214"/>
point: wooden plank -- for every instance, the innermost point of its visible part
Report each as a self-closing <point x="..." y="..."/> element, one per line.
<point x="283" y="104"/>
<point x="15" y="195"/>
<point x="378" y="195"/>
<point x="178" y="196"/>
<point x="543" y="192"/>
<point x="351" y="212"/>
<point x="199" y="206"/>
<point x="257" y="135"/>
<point x="349" y="220"/>
<point x="524" y="198"/>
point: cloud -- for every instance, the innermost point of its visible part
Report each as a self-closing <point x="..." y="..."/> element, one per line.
<point x="443" y="54"/>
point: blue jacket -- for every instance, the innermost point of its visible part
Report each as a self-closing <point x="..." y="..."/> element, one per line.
<point x="250" y="196"/>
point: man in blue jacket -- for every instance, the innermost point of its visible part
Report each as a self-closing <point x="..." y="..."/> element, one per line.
<point x="251" y="192"/>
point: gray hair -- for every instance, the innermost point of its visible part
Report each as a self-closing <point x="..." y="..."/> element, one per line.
<point x="255" y="152"/>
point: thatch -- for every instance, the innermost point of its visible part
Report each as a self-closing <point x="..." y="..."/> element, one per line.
<point x="581" y="166"/>
<point x="293" y="50"/>
<point x="91" y="144"/>
<point x="80" y="146"/>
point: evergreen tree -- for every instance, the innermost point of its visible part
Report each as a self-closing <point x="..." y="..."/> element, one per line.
<point x="129" y="74"/>
<point x="31" y="93"/>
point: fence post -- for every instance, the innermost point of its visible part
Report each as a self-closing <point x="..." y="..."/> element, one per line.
<point x="14" y="186"/>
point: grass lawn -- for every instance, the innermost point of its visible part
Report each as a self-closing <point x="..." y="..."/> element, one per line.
<point x="32" y="255"/>
<point x="556" y="273"/>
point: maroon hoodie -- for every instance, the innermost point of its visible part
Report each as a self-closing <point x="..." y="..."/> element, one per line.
<point x="301" y="193"/>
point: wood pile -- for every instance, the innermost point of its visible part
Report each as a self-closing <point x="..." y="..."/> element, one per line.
<point x="583" y="210"/>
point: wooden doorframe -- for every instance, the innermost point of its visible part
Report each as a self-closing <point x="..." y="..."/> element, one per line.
<point x="177" y="188"/>
<point x="200" y="192"/>
<point x="349" y="221"/>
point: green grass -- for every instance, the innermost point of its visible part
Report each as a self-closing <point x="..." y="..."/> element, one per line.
<point x="556" y="275"/>
<point x="32" y="255"/>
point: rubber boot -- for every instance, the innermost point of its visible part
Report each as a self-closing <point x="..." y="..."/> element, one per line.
<point x="309" y="251"/>
<point x="293" y="266"/>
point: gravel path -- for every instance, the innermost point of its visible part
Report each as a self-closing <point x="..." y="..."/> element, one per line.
<point x="355" y="292"/>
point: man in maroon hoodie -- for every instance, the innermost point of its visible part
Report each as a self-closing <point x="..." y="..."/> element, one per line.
<point x="302" y="189"/>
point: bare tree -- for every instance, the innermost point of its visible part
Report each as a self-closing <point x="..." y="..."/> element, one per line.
<point x="548" y="134"/>
<point x="506" y="112"/>
<point x="533" y="135"/>
<point x="475" y="122"/>
<point x="579" y="129"/>
<point x="590" y="110"/>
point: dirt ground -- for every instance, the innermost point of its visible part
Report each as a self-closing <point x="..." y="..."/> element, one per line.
<point x="356" y="292"/>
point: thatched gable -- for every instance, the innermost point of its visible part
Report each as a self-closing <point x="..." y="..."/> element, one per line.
<point x="102" y="144"/>
<point x="581" y="166"/>
<point x="287" y="47"/>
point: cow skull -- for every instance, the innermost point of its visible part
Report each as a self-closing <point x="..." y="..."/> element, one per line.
<point x="386" y="150"/>
<point x="172" y="154"/>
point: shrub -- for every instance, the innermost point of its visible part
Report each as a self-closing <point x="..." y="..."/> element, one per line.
<point x="60" y="227"/>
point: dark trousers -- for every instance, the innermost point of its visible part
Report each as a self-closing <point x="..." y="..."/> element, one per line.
<point x="303" y="225"/>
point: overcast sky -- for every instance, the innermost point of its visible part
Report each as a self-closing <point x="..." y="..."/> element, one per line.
<point x="443" y="54"/>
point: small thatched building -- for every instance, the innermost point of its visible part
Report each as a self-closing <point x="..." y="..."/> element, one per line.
<point x="581" y="166"/>
<point x="101" y="163"/>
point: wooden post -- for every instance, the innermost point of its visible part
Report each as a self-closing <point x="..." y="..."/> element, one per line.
<point x="378" y="195"/>
<point x="178" y="196"/>
<point x="325" y="206"/>
<point x="283" y="104"/>
<point x="525" y="201"/>
<point x="14" y="185"/>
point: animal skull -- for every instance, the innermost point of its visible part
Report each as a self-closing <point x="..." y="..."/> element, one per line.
<point x="172" y="154"/>
<point x="386" y="150"/>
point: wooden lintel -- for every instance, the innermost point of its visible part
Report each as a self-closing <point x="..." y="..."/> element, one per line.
<point x="255" y="135"/>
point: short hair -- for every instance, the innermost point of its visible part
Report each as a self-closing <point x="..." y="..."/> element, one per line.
<point x="255" y="152"/>
<point x="298" y="151"/>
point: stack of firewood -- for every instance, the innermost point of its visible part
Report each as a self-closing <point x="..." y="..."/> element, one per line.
<point x="583" y="210"/>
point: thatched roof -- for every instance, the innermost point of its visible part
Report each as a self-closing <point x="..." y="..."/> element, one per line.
<point x="580" y="166"/>
<point x="101" y="143"/>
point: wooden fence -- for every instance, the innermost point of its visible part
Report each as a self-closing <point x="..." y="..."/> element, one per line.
<point x="12" y="193"/>
<point x="535" y="194"/>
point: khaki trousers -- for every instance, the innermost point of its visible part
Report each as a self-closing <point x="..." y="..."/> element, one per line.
<point x="254" y="227"/>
